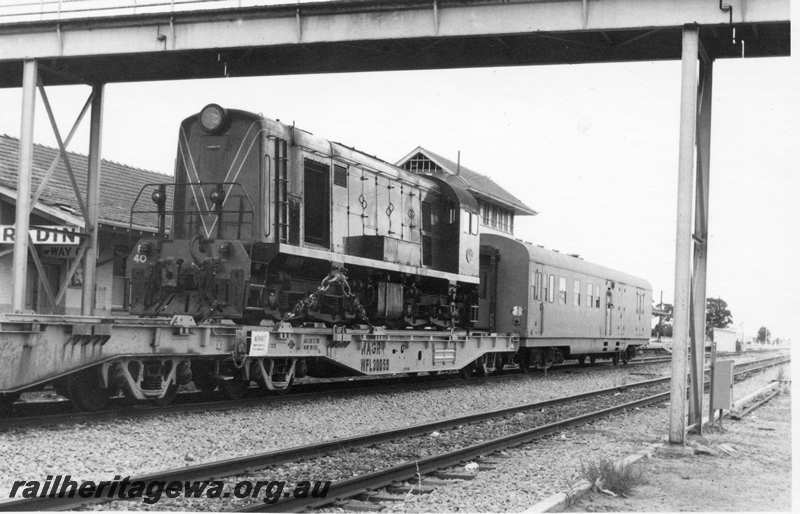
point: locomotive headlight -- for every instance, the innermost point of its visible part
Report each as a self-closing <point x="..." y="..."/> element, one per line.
<point x="158" y="197"/>
<point x="212" y="117"/>
<point x="516" y="311"/>
<point x="215" y="197"/>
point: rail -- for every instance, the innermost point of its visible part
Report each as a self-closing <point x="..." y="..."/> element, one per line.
<point x="14" y="11"/>
<point x="59" y="412"/>
<point x="244" y="464"/>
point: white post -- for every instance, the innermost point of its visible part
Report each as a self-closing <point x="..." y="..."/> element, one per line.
<point x="680" y="330"/>
<point x="701" y="242"/>
<point x="29" y="79"/>
<point x="92" y="200"/>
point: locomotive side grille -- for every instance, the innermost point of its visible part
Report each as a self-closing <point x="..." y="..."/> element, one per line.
<point x="281" y="190"/>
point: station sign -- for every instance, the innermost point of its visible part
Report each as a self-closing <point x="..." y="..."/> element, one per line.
<point x="58" y="235"/>
<point x="58" y="252"/>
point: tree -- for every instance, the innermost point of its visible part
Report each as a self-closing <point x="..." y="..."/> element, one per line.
<point x="717" y="315"/>
<point x="763" y="335"/>
<point x="664" y="326"/>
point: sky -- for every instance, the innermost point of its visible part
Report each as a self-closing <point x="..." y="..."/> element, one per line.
<point x="593" y="148"/>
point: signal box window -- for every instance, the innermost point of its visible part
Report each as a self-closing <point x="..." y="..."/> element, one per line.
<point x="562" y="290"/>
<point x="316" y="202"/>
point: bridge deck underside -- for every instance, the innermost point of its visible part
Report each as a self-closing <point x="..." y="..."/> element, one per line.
<point x="762" y="40"/>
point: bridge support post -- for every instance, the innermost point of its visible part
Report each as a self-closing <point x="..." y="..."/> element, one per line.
<point x="680" y="330"/>
<point x="92" y="198"/>
<point x="702" y="174"/>
<point x="22" y="221"/>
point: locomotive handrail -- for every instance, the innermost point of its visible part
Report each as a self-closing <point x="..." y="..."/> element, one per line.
<point x="172" y="212"/>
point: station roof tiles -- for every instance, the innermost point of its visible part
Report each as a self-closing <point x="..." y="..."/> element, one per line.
<point x="119" y="184"/>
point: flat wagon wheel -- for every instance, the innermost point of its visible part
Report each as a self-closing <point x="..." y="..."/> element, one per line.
<point x="467" y="371"/>
<point x="86" y="390"/>
<point x="615" y="359"/>
<point x="202" y="376"/>
<point x="581" y="360"/>
<point x="524" y="360"/>
<point x="169" y="396"/>
<point x="234" y="389"/>
<point x="7" y="403"/>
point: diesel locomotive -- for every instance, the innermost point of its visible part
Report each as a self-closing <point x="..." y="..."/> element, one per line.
<point x="281" y="254"/>
<point x="271" y="222"/>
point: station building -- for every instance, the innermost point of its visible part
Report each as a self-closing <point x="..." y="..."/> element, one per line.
<point x="498" y="206"/>
<point x="119" y="186"/>
<point x="57" y="206"/>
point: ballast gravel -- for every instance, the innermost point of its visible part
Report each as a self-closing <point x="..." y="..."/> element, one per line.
<point x="98" y="450"/>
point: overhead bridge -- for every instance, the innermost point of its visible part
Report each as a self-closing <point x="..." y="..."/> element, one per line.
<point x="48" y="42"/>
<point x="100" y="41"/>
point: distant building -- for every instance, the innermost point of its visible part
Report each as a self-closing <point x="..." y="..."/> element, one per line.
<point x="725" y="340"/>
<point x="498" y="206"/>
<point x="119" y="185"/>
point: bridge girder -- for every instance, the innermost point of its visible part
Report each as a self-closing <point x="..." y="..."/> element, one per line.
<point x="381" y="35"/>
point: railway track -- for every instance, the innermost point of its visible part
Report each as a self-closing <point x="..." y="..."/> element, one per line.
<point x="52" y="413"/>
<point x="474" y="436"/>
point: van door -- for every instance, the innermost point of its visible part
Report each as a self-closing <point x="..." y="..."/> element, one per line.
<point x="609" y="315"/>
<point x="537" y="301"/>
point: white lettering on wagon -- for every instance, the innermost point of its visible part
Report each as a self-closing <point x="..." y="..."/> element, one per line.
<point x="374" y="353"/>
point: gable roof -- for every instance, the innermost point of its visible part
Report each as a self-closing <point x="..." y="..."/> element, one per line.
<point x="477" y="183"/>
<point x="119" y="184"/>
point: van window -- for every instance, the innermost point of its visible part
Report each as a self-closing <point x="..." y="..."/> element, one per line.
<point x="562" y="290"/>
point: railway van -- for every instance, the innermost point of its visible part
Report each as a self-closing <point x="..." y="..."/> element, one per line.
<point x="561" y="306"/>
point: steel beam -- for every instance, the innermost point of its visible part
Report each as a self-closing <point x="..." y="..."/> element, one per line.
<point x="92" y="199"/>
<point x="327" y="22"/>
<point x="680" y="329"/>
<point x="700" y="241"/>
<point x="29" y="79"/>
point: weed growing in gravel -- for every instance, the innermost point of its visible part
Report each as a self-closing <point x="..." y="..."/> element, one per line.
<point x="605" y="475"/>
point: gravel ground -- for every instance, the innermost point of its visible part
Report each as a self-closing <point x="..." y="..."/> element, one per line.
<point x="552" y="465"/>
<point x="99" y="450"/>
<point x="362" y="460"/>
<point x="721" y="482"/>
